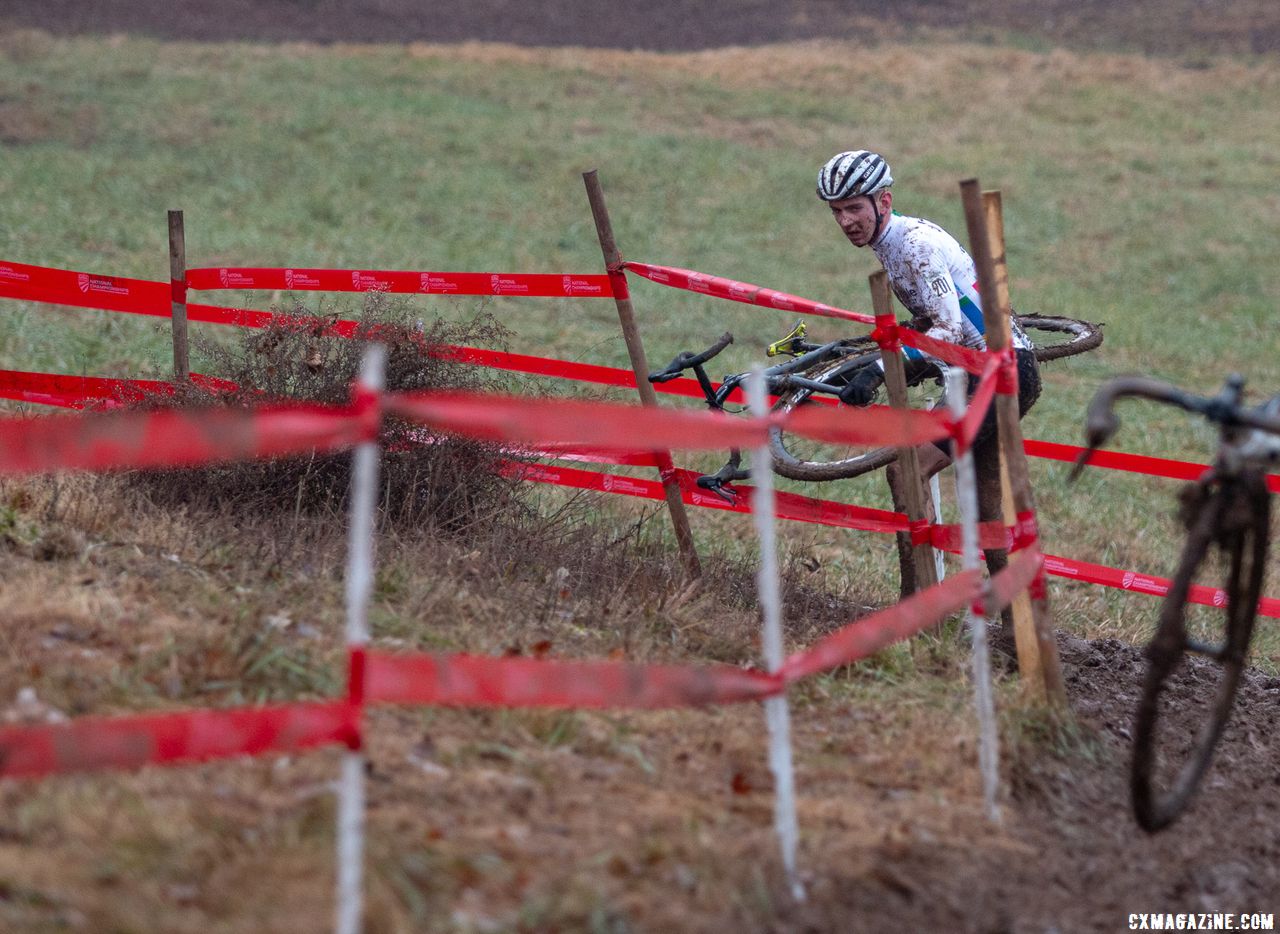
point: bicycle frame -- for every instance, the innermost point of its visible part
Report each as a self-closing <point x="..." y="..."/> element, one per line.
<point x="1228" y="509"/>
<point x="778" y="378"/>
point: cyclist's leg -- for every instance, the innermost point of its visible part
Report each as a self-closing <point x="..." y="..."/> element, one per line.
<point x="986" y="453"/>
<point x="934" y="457"/>
<point x="931" y="459"/>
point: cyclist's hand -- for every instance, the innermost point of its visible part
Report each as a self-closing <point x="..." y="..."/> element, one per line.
<point x="862" y="388"/>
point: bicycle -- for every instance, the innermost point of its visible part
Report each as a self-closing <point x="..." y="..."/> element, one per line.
<point x="818" y="369"/>
<point x="1228" y="507"/>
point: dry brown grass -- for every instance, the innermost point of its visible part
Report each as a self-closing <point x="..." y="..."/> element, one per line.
<point x="819" y="66"/>
<point x="534" y="818"/>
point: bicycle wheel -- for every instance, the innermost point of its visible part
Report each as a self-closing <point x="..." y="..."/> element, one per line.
<point x="1234" y="518"/>
<point x="1070" y="336"/>
<point x="801" y="458"/>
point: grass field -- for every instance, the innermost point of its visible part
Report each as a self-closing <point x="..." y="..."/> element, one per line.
<point x="1138" y="192"/>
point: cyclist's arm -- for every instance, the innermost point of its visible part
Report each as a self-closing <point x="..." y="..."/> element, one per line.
<point x="936" y="298"/>
<point x="930" y="295"/>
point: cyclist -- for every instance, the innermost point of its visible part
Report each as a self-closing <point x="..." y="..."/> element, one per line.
<point x="934" y="278"/>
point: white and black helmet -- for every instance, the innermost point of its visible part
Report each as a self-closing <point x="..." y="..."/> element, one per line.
<point x="848" y="174"/>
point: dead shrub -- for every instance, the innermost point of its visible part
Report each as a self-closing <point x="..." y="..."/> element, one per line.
<point x="435" y="483"/>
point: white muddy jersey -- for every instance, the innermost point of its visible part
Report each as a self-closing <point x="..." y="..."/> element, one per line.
<point x="934" y="278"/>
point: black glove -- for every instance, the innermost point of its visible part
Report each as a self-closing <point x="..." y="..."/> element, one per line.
<point x="862" y="388"/>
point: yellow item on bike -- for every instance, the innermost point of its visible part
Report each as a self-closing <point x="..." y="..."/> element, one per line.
<point x="788" y="344"/>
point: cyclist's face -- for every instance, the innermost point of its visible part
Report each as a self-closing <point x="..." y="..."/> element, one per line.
<point x="857" y="217"/>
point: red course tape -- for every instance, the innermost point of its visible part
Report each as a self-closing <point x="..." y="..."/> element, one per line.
<point x="530" y="421"/>
<point x="128" y="742"/>
<point x="691" y="281"/>
<point x="78" y="392"/>
<point x="172" y="438"/>
<point x="869" y="635"/>
<point x="744" y="292"/>
<point x="1144" y="583"/>
<point x="976" y="412"/>
<point x="404" y="282"/>
<point x="481" y="681"/>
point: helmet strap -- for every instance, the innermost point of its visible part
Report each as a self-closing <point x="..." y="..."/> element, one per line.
<point x="875" y="209"/>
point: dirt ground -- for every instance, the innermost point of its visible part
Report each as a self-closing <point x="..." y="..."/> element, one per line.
<point x="1183" y="27"/>
<point x="567" y="821"/>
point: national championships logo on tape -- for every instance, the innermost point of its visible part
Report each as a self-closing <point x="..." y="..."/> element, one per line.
<point x="697" y="282"/>
<point x="368" y="282"/>
<point x="574" y="286"/>
<point x="506" y="286"/>
<point x="1132" y="581"/>
<point x="429" y="282"/>
<point x="229" y="279"/>
<point x="1057" y="566"/>
<point x="88" y="283"/>
<point x="293" y="279"/>
<point x="780" y="301"/>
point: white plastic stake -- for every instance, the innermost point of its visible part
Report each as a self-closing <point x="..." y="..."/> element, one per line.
<point x="939" y="562"/>
<point x="777" y="715"/>
<point x="967" y="495"/>
<point x="359" y="586"/>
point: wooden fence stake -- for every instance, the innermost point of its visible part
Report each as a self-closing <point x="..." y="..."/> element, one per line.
<point x="1041" y="669"/>
<point x="178" y="307"/>
<point x="895" y="381"/>
<point x="640" y="366"/>
<point x="1023" y="616"/>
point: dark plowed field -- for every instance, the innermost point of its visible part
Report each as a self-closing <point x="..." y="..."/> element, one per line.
<point x="1191" y="27"/>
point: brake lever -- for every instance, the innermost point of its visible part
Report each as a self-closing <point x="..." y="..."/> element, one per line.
<point x="716" y="486"/>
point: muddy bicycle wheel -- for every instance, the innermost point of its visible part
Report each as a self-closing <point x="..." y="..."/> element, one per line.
<point x="1233" y="518"/>
<point x="801" y="458"/>
<point x="1055" y="337"/>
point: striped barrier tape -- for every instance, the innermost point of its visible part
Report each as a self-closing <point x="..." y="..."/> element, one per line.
<point x="120" y="440"/>
<point x="691" y="281"/>
<point x="523" y="420"/>
<point x="131" y="741"/>
<point x="794" y="507"/>
<point x="548" y="285"/>
<point x="94" y="392"/>
<point x="173" y="438"/>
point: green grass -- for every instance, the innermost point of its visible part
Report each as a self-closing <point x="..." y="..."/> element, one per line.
<point x="1136" y="192"/>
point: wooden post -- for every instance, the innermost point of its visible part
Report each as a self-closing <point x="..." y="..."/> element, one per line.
<point x="1037" y="651"/>
<point x="640" y="366"/>
<point x="895" y="380"/>
<point x="1023" y="615"/>
<point x="178" y="283"/>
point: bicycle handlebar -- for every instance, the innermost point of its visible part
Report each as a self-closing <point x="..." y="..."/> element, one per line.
<point x="1224" y="409"/>
<point x="686" y="360"/>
